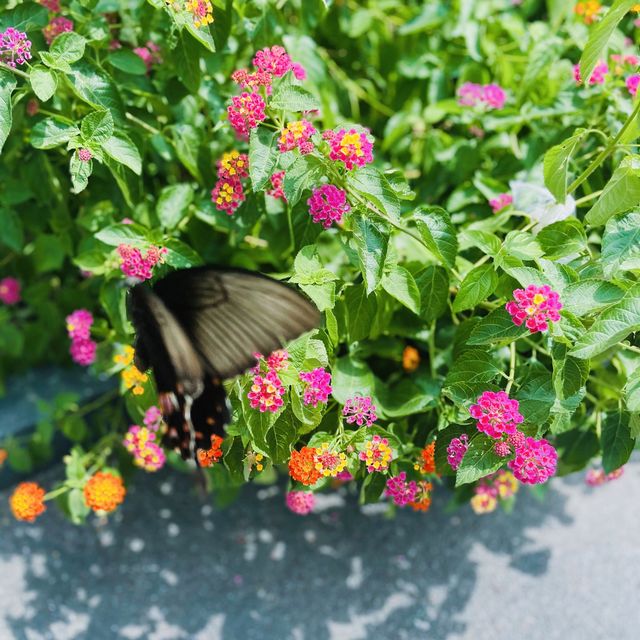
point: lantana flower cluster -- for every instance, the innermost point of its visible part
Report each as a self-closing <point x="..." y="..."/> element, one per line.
<point x="490" y="96"/>
<point x="588" y="10"/>
<point x="15" y="47"/>
<point x="136" y="265"/>
<point x="328" y="204"/>
<point x="10" y="290"/>
<point x="132" y="377"/>
<point x="598" y="477"/>
<point x="535" y="307"/>
<point x="201" y="10"/>
<point x="149" y="54"/>
<point x="501" y="202"/>
<point x="497" y="486"/>
<point x="143" y="442"/>
<point x="318" y="386"/>
<point x="360" y="410"/>
<point x="104" y="492"/>
<point x="82" y="348"/>
<point x="377" y="454"/>
<point x="228" y="192"/>
<point x="56" y="26"/>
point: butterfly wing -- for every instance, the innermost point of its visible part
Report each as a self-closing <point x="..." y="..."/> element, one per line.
<point x="231" y="314"/>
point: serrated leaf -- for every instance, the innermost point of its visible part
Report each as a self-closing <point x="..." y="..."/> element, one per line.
<point x="536" y="397"/>
<point x="306" y="171"/>
<point x="590" y="296"/>
<point x="97" y="127"/>
<point x="617" y="443"/>
<point x="476" y="287"/>
<point x="282" y="436"/>
<point x="399" y="284"/>
<point x="290" y="97"/>
<point x="173" y="203"/>
<point x="556" y="164"/>
<point x="433" y="285"/>
<point x="438" y="233"/>
<point x="615" y="324"/>
<point x="498" y="326"/>
<point x="7" y="85"/>
<point x="372" y="487"/>
<point x="569" y="374"/>
<point x="563" y="238"/>
<point x="372" y="185"/>
<point x="50" y="133"/>
<point x="621" y="244"/>
<point x="94" y="86"/>
<point x="43" y="82"/>
<point x="263" y="156"/>
<point x="66" y="49"/>
<point x="122" y="149"/>
<point x="79" y="172"/>
<point x="371" y="244"/>
<point x="469" y="375"/>
<point x="479" y="461"/>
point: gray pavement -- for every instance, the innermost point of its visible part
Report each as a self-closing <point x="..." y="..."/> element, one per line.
<point x="170" y="566"/>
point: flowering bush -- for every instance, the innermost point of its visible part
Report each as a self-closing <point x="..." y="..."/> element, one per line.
<point x="439" y="178"/>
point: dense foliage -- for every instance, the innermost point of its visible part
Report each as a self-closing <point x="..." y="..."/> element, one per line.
<point x="434" y="176"/>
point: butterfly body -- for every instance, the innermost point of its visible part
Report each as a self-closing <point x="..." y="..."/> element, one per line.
<point x="197" y="327"/>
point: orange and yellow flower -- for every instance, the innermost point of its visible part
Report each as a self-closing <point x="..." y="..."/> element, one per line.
<point x="27" y="501"/>
<point x="428" y="459"/>
<point x="104" y="492"/>
<point x="209" y="457"/>
<point x="589" y="11"/>
<point x="410" y="359"/>
<point x="302" y="466"/>
<point x="423" y="497"/>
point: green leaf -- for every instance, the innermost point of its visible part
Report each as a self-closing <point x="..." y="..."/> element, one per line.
<point x="615" y="324"/>
<point x="24" y="17"/>
<point x="306" y="171"/>
<point x="290" y="97"/>
<point x="373" y="187"/>
<point x="263" y="156"/>
<point x="12" y="235"/>
<point x="372" y="487"/>
<point x="78" y="509"/>
<point x="186" y="140"/>
<point x="66" y="49"/>
<point x="563" y="238"/>
<point x="620" y="194"/>
<point x="282" y="436"/>
<point x="617" y="443"/>
<point x="173" y="204"/>
<point x="498" y="326"/>
<point x="7" y="85"/>
<point x="469" y="375"/>
<point x="536" y="397"/>
<point x="133" y="234"/>
<point x="521" y="245"/>
<point x="351" y="377"/>
<point x="439" y="234"/>
<point x="621" y="244"/>
<point x="590" y="296"/>
<point x="80" y="172"/>
<point x="180" y="255"/>
<point x="433" y="285"/>
<point x="97" y="127"/>
<point x="95" y="87"/>
<point x="399" y="284"/>
<point x="129" y="62"/>
<point x="476" y="287"/>
<point x="43" y="82"/>
<point x="122" y="149"/>
<point x="113" y="301"/>
<point x="50" y="133"/>
<point x="556" y="164"/>
<point x="18" y="457"/>
<point x="188" y="63"/>
<point x="479" y="461"/>
<point x="569" y="374"/>
<point x="599" y="36"/>
<point x="201" y="34"/>
<point x="361" y="308"/>
<point x="632" y="391"/>
<point x="48" y="253"/>
<point x="371" y="244"/>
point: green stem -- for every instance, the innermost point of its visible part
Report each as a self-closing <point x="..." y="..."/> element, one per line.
<point x="512" y="366"/>
<point x="629" y="347"/>
<point x="432" y="349"/>
<point x="587" y="198"/>
<point x="17" y="72"/>
<point x="606" y="152"/>
<point x="142" y="123"/>
<point x="56" y="492"/>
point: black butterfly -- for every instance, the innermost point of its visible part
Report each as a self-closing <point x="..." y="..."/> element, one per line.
<point x="196" y="327"/>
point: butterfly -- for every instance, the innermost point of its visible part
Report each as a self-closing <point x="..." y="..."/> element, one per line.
<point x="197" y="327"/>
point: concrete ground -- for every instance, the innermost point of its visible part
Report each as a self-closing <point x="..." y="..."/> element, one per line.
<point x="169" y="566"/>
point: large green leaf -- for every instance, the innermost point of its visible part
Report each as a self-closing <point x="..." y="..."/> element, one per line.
<point x="556" y="164"/>
<point x="66" y="49"/>
<point x="433" y="284"/>
<point x="470" y="374"/>
<point x="617" y="443"/>
<point x="615" y="324"/>
<point x="43" y="82"/>
<point x="479" y="461"/>
<point x="50" y="133"/>
<point x="632" y="391"/>
<point x="97" y="127"/>
<point x="95" y="86"/>
<point x="621" y="244"/>
<point x="282" y="436"/>
<point x="371" y="241"/>
<point x="563" y="238"/>
<point x="399" y="284"/>
<point x="173" y="203"/>
<point x="498" y="326"/>
<point x="361" y="309"/>
<point x="290" y="97"/>
<point x="476" y="287"/>
<point x="351" y="377"/>
<point x="373" y="187"/>
<point x="263" y="155"/>
<point x="7" y="85"/>
<point x="438" y="233"/>
<point x="305" y="172"/>
<point x="122" y="149"/>
<point x="590" y="296"/>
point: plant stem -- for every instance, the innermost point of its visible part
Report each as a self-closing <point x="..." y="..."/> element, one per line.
<point x="432" y="349"/>
<point x="512" y="366"/>
<point x="142" y="123"/>
<point x="56" y="492"/>
<point x="606" y="152"/>
<point x="17" y="72"/>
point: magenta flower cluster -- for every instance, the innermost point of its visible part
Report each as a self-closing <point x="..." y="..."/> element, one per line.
<point x="535" y="307"/>
<point x="149" y="54"/>
<point x="501" y="202"/>
<point x="318" y="386"/>
<point x="597" y="77"/>
<point x="353" y="148"/>
<point x="266" y="392"/>
<point x="456" y="450"/>
<point x="10" y="290"/>
<point x="361" y="410"/>
<point x="301" y="502"/>
<point x="297" y="135"/>
<point x="632" y="83"/>
<point x="84" y="155"/>
<point x="15" y="47"/>
<point x="534" y="462"/>
<point x="134" y="265"/>
<point x="277" y="186"/>
<point x="56" y="26"/>
<point x="401" y="491"/>
<point x="328" y="204"/>
<point x="82" y="348"/>
<point x="491" y="96"/>
<point x="597" y="477"/>
<point x="228" y="192"/>
<point x="496" y="414"/>
<point x="246" y="112"/>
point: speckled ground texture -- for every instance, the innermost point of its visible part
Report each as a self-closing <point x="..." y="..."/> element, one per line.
<point x="169" y="566"/>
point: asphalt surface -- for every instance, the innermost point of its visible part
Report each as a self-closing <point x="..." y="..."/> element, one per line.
<point x="170" y="566"/>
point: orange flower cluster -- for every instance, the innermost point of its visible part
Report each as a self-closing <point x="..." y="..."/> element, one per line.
<point x="104" y="492"/>
<point x="410" y="359"/>
<point x="302" y="466"/>
<point x="209" y="457"/>
<point x="27" y="501"/>
<point x="423" y="497"/>
<point x="3" y="456"/>
<point x="428" y="459"/>
<point x="589" y="10"/>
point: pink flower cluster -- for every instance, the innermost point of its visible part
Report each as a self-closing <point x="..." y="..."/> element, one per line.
<point x="246" y="112"/>
<point x="134" y="265"/>
<point x="84" y="155"/>
<point x="496" y="414"/>
<point x="534" y="462"/>
<point x="9" y="290"/>
<point x="361" y="410"/>
<point x="456" y="450"/>
<point x="276" y="61"/>
<point x="499" y="485"/>
<point x="471" y="94"/>
<point x="328" y="204"/>
<point x="597" y="477"/>
<point x="277" y="186"/>
<point x="301" y="502"/>
<point x="535" y="306"/>
<point x="55" y="27"/>
<point x="82" y="348"/>
<point x="597" y="77"/>
<point x="276" y="361"/>
<point x="501" y="202"/>
<point x="318" y="386"/>
<point x="266" y="392"/>
<point x="297" y="135"/>
<point x="352" y="148"/>
<point x="228" y="192"/>
<point x="149" y="54"/>
<point x="632" y="83"/>
<point x="52" y="5"/>
<point x="401" y="491"/>
<point x="141" y="443"/>
<point x="153" y="418"/>
<point x="15" y="47"/>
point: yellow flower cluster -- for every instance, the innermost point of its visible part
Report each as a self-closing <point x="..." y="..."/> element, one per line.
<point x="132" y="377"/>
<point x="201" y="10"/>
